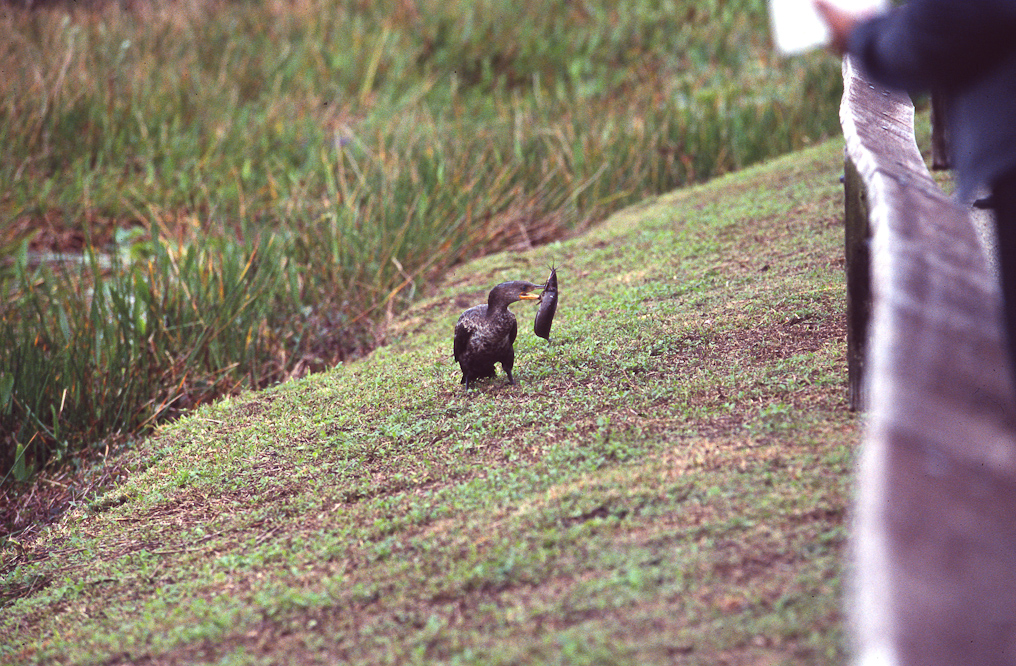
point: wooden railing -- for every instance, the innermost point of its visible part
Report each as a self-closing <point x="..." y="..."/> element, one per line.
<point x="933" y="571"/>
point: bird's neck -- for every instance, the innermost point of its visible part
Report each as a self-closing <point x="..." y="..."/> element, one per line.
<point x="494" y="305"/>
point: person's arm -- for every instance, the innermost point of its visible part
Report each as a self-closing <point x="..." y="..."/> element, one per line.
<point x="928" y="43"/>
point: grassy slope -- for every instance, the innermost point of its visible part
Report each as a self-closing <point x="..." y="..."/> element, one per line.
<point x="666" y="483"/>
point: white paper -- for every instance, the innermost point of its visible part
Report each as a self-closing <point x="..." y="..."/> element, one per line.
<point x="797" y="26"/>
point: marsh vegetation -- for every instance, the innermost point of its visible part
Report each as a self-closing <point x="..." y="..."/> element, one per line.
<point x="203" y="196"/>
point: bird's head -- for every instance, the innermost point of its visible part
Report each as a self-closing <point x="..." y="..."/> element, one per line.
<point x="507" y="293"/>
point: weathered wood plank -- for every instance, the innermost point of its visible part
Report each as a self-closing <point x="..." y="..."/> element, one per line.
<point x="934" y="545"/>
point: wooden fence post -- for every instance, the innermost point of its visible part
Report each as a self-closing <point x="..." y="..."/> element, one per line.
<point x="939" y="133"/>
<point x="856" y="239"/>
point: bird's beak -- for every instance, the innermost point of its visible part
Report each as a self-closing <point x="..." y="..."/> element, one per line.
<point x="529" y="296"/>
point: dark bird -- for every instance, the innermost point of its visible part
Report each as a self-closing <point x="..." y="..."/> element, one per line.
<point x="485" y="334"/>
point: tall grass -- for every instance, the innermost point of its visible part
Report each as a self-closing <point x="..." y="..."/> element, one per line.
<point x="109" y="344"/>
<point x="297" y="169"/>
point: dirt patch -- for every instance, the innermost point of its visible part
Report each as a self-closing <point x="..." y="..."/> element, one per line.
<point x="53" y="233"/>
<point x="799" y="334"/>
<point x="26" y="508"/>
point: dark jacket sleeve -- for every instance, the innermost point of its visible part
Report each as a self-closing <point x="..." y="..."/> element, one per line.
<point x="927" y="44"/>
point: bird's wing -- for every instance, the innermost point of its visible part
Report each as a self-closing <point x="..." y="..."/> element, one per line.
<point x="513" y="332"/>
<point x="462" y="335"/>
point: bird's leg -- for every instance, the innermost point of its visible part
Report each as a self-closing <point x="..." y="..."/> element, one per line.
<point x="508" y="362"/>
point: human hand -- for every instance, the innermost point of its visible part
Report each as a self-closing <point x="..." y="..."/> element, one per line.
<point x="841" y="23"/>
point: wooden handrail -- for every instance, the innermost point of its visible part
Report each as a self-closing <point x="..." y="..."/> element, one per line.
<point x="934" y="543"/>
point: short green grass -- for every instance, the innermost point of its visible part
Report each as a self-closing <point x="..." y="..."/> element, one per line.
<point x="666" y="483"/>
